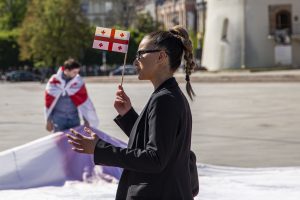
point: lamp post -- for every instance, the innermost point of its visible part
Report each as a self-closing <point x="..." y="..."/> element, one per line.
<point x="243" y="42"/>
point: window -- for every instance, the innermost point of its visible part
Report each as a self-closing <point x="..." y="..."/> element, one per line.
<point x="225" y="29"/>
<point x="283" y="20"/>
<point x="280" y="19"/>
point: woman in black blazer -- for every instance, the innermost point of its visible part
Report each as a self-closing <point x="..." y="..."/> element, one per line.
<point x="156" y="161"/>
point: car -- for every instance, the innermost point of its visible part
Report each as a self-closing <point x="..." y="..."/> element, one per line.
<point x="129" y="70"/>
<point x="22" y="76"/>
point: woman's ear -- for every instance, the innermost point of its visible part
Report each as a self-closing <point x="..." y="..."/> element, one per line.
<point x="162" y="56"/>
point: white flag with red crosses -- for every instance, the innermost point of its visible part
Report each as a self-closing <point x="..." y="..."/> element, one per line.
<point x="111" y="39"/>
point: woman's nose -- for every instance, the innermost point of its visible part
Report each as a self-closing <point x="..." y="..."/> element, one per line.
<point x="135" y="62"/>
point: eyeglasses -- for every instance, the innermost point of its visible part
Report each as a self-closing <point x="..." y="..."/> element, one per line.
<point x="141" y="52"/>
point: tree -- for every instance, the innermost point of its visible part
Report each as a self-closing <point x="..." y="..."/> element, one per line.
<point x="146" y="24"/>
<point x="11" y="15"/>
<point x="9" y="49"/>
<point x="54" y="30"/>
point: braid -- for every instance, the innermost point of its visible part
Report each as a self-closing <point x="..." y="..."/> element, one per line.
<point x="182" y="34"/>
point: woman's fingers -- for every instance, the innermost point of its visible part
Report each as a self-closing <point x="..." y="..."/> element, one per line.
<point x="78" y="150"/>
<point x="74" y="144"/>
<point x="75" y="139"/>
<point x="89" y="131"/>
<point x="81" y="143"/>
<point x="78" y="135"/>
<point x="119" y="99"/>
<point x="125" y="97"/>
<point x="121" y="95"/>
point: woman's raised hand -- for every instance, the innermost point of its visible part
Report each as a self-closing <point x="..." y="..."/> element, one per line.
<point x="81" y="143"/>
<point x="122" y="102"/>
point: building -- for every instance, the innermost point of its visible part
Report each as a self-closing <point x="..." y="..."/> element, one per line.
<point x="201" y="24"/>
<point x="147" y="6"/>
<point x="201" y="17"/>
<point x="174" y="12"/>
<point x="109" y="13"/>
<point x="251" y="33"/>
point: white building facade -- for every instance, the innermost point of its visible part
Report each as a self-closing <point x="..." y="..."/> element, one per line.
<point x="251" y="33"/>
<point x="177" y="12"/>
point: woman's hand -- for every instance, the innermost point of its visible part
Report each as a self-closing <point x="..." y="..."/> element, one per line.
<point x="122" y="102"/>
<point x="49" y="126"/>
<point x="81" y="143"/>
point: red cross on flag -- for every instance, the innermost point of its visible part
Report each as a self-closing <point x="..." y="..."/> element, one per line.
<point x="111" y="39"/>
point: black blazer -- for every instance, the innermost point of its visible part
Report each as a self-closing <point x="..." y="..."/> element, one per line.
<point x="156" y="161"/>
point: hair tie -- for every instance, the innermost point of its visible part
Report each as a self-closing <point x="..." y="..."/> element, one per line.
<point x="187" y="78"/>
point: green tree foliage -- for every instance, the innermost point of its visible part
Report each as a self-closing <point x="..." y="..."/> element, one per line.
<point x="9" y="49"/>
<point x="146" y="24"/>
<point x="54" y="30"/>
<point x="193" y="38"/>
<point x="11" y="15"/>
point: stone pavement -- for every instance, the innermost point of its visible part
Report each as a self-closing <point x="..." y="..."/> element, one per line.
<point x="245" y="124"/>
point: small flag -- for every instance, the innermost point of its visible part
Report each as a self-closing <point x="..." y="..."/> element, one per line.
<point x="111" y="39"/>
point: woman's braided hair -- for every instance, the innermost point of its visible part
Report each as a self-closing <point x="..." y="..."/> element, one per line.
<point x="176" y="42"/>
<point x="182" y="34"/>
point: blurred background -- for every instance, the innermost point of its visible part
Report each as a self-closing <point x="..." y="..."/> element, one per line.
<point x="246" y="112"/>
<point x="37" y="36"/>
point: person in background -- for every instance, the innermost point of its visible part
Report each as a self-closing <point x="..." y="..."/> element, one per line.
<point x="158" y="162"/>
<point x="66" y="99"/>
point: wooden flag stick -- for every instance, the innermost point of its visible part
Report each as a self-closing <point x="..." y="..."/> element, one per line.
<point x="123" y="68"/>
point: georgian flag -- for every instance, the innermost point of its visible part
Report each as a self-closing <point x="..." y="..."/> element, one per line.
<point x="111" y="40"/>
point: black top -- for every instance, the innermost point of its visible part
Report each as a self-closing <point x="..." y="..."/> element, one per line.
<point x="156" y="161"/>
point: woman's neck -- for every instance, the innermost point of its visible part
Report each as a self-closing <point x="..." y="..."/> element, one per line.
<point x="158" y="80"/>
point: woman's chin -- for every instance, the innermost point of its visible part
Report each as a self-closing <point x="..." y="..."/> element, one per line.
<point x="140" y="77"/>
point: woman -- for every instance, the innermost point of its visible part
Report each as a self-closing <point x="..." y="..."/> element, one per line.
<point x="156" y="161"/>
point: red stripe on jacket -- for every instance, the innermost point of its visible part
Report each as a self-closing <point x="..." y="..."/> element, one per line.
<point x="80" y="96"/>
<point x="48" y="99"/>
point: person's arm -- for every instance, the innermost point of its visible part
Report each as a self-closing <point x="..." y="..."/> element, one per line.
<point x="163" y="127"/>
<point x="49" y="124"/>
<point x="127" y="121"/>
<point x="127" y="116"/>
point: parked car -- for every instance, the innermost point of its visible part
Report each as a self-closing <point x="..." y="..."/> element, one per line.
<point x="129" y="70"/>
<point x="22" y="76"/>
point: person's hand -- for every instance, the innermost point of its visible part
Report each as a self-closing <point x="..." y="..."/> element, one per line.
<point x="49" y="126"/>
<point x="81" y="143"/>
<point x="122" y="102"/>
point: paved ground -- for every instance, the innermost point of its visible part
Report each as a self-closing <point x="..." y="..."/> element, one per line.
<point x="244" y="76"/>
<point x="234" y="124"/>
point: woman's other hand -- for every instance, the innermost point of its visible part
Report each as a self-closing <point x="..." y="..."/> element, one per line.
<point x="122" y="102"/>
<point x="81" y="143"/>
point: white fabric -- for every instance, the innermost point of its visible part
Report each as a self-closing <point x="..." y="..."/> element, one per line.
<point x="50" y="161"/>
<point x="216" y="183"/>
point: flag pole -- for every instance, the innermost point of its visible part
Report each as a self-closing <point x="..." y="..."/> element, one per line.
<point x="123" y="69"/>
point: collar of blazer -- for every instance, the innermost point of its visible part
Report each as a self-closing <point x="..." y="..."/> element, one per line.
<point x="171" y="82"/>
